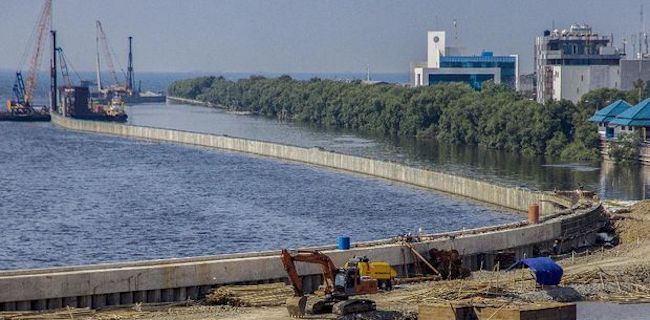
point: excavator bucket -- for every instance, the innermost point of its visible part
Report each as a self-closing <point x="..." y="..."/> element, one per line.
<point x="354" y="306"/>
<point x="296" y="306"/>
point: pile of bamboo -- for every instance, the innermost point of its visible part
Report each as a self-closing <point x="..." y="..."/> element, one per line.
<point x="629" y="298"/>
<point x="262" y="295"/>
<point x="68" y="313"/>
<point x="457" y="291"/>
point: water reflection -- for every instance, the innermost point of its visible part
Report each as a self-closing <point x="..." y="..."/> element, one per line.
<point x="624" y="181"/>
<point x="509" y="168"/>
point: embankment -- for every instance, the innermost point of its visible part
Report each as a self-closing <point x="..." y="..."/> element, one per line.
<point x="190" y="101"/>
<point x="168" y="280"/>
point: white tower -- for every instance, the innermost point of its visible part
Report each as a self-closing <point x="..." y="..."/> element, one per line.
<point x="435" y="48"/>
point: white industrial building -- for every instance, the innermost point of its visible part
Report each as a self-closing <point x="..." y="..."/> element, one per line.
<point x="570" y="63"/>
<point x="445" y="64"/>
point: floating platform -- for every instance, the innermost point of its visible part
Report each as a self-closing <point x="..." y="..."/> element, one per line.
<point x="32" y="117"/>
<point x="135" y="99"/>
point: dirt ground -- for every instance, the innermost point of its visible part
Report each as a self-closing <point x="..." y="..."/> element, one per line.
<point x="619" y="274"/>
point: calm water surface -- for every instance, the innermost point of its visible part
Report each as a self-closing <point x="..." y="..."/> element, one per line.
<point x="77" y="198"/>
<point x="614" y="182"/>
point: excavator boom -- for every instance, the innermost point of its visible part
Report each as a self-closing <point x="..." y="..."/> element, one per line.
<point x="297" y="305"/>
<point x="327" y="266"/>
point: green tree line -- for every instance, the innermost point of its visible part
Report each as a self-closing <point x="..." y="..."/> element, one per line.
<point x="495" y="117"/>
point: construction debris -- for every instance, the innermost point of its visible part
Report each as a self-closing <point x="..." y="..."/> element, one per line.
<point x="67" y="313"/>
<point x="449" y="264"/>
<point x="260" y="295"/>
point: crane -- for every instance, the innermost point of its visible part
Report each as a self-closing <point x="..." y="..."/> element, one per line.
<point x="63" y="62"/>
<point x="102" y="42"/>
<point x="24" y="93"/>
<point x="19" y="89"/>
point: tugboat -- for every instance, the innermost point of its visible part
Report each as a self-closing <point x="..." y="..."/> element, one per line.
<point x="76" y="103"/>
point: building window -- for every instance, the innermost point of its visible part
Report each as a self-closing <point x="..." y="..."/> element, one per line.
<point x="582" y="77"/>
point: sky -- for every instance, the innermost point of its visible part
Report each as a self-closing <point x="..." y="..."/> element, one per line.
<point x="301" y="36"/>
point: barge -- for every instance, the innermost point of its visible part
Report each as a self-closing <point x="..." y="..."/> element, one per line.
<point x="24" y="113"/>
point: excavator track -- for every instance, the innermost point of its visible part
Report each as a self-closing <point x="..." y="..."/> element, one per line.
<point x="354" y="306"/>
<point x="320" y="305"/>
<point x="296" y="306"/>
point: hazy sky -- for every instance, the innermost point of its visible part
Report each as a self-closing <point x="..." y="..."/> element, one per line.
<point x="301" y="35"/>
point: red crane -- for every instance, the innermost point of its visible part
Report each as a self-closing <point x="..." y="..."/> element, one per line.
<point x="37" y="53"/>
<point x="24" y="94"/>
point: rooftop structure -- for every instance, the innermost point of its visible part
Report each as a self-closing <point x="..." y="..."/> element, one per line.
<point x="622" y="118"/>
<point x="637" y="116"/>
<point x="569" y="63"/>
<point x="605" y="115"/>
<point x="443" y="67"/>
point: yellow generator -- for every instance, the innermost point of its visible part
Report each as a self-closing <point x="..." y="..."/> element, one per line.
<point x="379" y="270"/>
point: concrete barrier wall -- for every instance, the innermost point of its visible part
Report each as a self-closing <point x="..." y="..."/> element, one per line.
<point x="176" y="280"/>
<point x="513" y="198"/>
<point x="192" y="102"/>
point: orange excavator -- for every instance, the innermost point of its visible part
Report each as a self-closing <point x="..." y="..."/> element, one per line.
<point x="339" y="284"/>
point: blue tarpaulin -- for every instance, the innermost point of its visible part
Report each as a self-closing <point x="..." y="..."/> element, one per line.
<point x="547" y="272"/>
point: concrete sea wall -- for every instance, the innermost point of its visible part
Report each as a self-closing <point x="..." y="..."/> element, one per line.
<point x="192" y="102"/>
<point x="166" y="280"/>
<point x="513" y="198"/>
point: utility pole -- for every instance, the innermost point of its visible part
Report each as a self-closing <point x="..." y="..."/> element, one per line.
<point x="455" y="32"/>
<point x="130" y="81"/>
<point x="53" y="88"/>
<point x="641" y="26"/>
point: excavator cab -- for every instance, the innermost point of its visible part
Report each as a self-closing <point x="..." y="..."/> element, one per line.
<point x="348" y="282"/>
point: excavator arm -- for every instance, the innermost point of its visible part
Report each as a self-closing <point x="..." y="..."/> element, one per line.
<point x="327" y="266"/>
<point x="297" y="305"/>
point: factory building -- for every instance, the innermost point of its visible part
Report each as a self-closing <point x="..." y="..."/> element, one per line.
<point x="570" y="63"/>
<point x="446" y="64"/>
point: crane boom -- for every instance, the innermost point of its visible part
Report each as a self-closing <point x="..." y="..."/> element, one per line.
<point x="19" y="88"/>
<point x="64" y="68"/>
<point x="103" y="41"/>
<point x="41" y="30"/>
